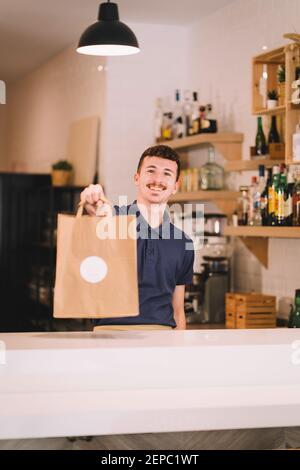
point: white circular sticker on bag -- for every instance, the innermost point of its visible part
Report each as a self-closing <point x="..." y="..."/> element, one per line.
<point x="93" y="269"/>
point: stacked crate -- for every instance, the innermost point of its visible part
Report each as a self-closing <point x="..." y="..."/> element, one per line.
<point x="250" y="310"/>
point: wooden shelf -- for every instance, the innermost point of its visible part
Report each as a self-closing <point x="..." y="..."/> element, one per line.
<point x="268" y="232"/>
<point x="205" y="196"/>
<point x="256" y="239"/>
<point x="225" y="200"/>
<point x="264" y="111"/>
<point x="205" y="138"/>
<point x="275" y="56"/>
<point x="251" y="165"/>
<point x="292" y="162"/>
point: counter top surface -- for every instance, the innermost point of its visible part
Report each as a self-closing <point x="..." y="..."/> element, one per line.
<point x="118" y="382"/>
<point x="145" y="339"/>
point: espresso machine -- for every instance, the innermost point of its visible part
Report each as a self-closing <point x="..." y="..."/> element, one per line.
<point x="205" y="297"/>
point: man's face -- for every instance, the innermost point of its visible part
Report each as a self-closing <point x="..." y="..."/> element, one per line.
<point x="156" y="180"/>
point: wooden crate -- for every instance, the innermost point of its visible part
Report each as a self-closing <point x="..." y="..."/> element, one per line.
<point x="230" y="310"/>
<point x="250" y="310"/>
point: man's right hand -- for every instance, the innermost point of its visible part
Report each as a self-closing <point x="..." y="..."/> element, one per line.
<point x="95" y="202"/>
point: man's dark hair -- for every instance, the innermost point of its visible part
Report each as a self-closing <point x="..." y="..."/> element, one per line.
<point x="161" y="151"/>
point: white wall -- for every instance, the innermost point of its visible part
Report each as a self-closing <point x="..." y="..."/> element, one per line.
<point x="133" y="84"/>
<point x="42" y="105"/>
<point x="221" y="48"/>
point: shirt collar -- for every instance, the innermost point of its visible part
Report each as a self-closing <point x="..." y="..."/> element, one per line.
<point x="158" y="232"/>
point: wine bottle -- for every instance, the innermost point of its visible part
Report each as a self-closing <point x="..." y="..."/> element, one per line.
<point x="281" y="193"/>
<point x="195" y="114"/>
<point x="288" y="200"/>
<point x="260" y="140"/>
<point x="264" y="200"/>
<point x="273" y="195"/>
<point x="178" y="126"/>
<point x="273" y="137"/>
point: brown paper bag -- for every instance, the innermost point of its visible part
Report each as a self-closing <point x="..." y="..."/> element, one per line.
<point x="95" y="278"/>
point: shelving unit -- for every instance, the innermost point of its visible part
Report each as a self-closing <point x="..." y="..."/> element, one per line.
<point x="268" y="232"/>
<point x="225" y="200"/>
<point x="229" y="144"/>
<point x="205" y="196"/>
<point x="289" y="113"/>
<point x="276" y="110"/>
<point x="53" y="200"/>
<point x="250" y="165"/>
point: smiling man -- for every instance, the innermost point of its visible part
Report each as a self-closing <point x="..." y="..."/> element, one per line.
<point x="164" y="253"/>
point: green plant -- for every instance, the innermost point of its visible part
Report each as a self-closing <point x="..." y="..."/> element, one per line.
<point x="62" y="165"/>
<point x="273" y="95"/>
<point x="281" y="74"/>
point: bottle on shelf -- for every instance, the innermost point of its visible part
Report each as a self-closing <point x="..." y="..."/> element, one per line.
<point x="167" y="127"/>
<point x="296" y="143"/>
<point x="187" y="111"/>
<point x="296" y="201"/>
<point x="264" y="200"/>
<point x="280" y="197"/>
<point x="158" y="120"/>
<point x="260" y="139"/>
<point x="273" y="137"/>
<point x="178" y="121"/>
<point x="261" y="178"/>
<point x="288" y="207"/>
<point x="254" y="216"/>
<point x="212" y="174"/>
<point x="195" y="114"/>
<point x="272" y="195"/>
<point x="294" y="318"/>
<point x="207" y="122"/>
<point x="243" y="205"/>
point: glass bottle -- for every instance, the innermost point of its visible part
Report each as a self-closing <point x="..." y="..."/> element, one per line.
<point x="264" y="200"/>
<point x="254" y="217"/>
<point x="280" y="196"/>
<point x="178" y="126"/>
<point x="272" y="195"/>
<point x="273" y="137"/>
<point x="195" y="114"/>
<point x="158" y="120"/>
<point x="243" y="205"/>
<point x="296" y="201"/>
<point x="167" y="126"/>
<point x="288" y="200"/>
<point x="294" y="319"/>
<point x="261" y="178"/>
<point x="187" y="111"/>
<point x="212" y="174"/>
<point x="296" y="143"/>
<point x="260" y="140"/>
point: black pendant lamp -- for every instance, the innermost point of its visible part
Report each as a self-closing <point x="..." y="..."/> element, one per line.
<point x="108" y="36"/>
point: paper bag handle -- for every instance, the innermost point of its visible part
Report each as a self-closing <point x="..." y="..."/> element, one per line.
<point x="81" y="206"/>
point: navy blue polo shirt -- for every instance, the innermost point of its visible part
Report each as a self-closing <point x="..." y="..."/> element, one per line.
<point x="165" y="258"/>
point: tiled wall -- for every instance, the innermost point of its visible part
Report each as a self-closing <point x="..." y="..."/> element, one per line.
<point x="281" y="278"/>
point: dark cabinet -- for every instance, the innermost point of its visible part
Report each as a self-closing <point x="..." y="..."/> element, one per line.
<point x="28" y="216"/>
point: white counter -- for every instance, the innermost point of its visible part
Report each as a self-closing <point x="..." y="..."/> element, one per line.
<point x="72" y="384"/>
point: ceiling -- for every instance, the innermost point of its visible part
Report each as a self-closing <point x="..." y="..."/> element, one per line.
<point x="32" y="31"/>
